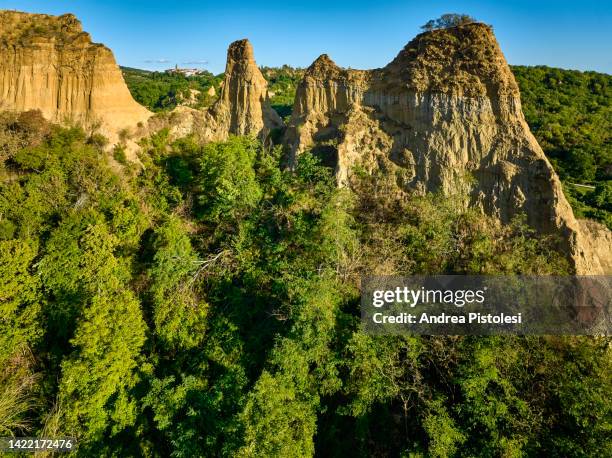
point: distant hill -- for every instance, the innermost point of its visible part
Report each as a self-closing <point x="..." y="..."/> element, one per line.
<point x="283" y="83"/>
<point x="160" y="91"/>
<point x="569" y="113"/>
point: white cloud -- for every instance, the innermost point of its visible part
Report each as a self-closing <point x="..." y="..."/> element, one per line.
<point x="157" y="61"/>
<point x="195" y="62"/>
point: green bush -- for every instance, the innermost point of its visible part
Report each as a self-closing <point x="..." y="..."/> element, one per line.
<point x="208" y="305"/>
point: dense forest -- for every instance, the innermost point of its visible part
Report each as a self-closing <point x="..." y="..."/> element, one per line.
<point x="207" y="304"/>
<point x="570" y="114"/>
<point x="568" y="111"/>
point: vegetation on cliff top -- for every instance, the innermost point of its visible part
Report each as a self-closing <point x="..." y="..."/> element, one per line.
<point x="21" y="28"/>
<point x="447" y="20"/>
<point x="207" y="304"/>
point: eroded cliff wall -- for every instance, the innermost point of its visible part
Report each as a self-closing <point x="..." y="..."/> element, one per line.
<point x="243" y="106"/>
<point x="445" y="112"/>
<point x="49" y="63"/>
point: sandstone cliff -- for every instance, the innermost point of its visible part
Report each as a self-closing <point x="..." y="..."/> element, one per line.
<point x="49" y="63"/>
<point x="445" y="111"/>
<point x="243" y="106"/>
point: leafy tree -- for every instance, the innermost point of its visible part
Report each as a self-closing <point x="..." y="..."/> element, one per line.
<point x="20" y="331"/>
<point x="20" y="299"/>
<point x="98" y="375"/>
<point x="601" y="197"/>
<point x="581" y="165"/>
<point x="227" y="186"/>
<point x="446" y="21"/>
<point x="178" y="313"/>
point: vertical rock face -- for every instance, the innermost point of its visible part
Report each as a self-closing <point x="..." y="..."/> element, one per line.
<point x="49" y="63"/>
<point x="243" y="107"/>
<point x="447" y="107"/>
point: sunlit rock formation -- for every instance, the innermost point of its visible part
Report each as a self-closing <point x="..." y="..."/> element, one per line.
<point x="49" y="63"/>
<point x="445" y="112"/>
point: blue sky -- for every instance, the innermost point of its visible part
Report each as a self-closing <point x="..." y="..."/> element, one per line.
<point x="358" y="34"/>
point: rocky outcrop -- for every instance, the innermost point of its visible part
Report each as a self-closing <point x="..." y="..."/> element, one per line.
<point x="243" y="106"/>
<point x="597" y="243"/>
<point x="49" y="63"/>
<point x="445" y="112"/>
